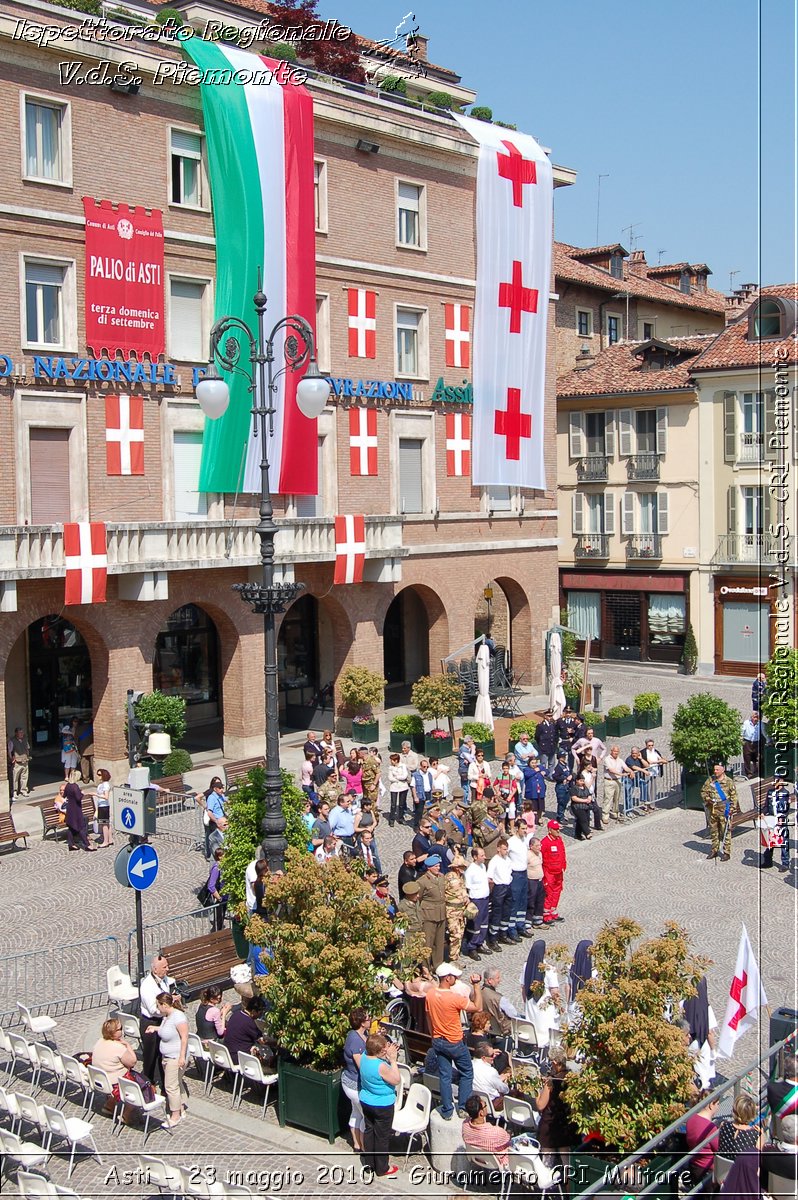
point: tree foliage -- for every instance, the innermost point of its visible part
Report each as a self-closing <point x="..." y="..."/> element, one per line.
<point x="690" y="652"/>
<point x="245" y="811"/>
<point x="637" y="1075"/>
<point x="437" y="696"/>
<point x="360" y="689"/>
<point x="705" y="730"/>
<point x="169" y="711"/>
<point x="338" y="58"/>
<point x="780" y="703"/>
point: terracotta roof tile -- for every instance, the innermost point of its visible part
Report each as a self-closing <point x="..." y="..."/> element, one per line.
<point x="568" y="267"/>
<point x="732" y="348"/>
<point x="617" y="372"/>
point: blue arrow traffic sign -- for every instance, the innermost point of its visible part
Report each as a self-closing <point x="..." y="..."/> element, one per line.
<point x="128" y="818"/>
<point x="142" y="867"/>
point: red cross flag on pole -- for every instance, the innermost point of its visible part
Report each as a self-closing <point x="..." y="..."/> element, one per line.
<point x="362" y="323"/>
<point x="86" y="562"/>
<point x="362" y="441"/>
<point x="350" y="548"/>
<point x="746" y="997"/>
<point x="508" y="351"/>
<point x="124" y="435"/>
<point x="457" y="319"/>
<point x="458" y="443"/>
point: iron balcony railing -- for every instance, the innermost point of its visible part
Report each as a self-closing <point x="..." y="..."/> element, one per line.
<point x="754" y="548"/>
<point x="642" y="467"/>
<point x="592" y="545"/>
<point x="752" y="447"/>
<point x="592" y="468"/>
<point x="644" y="545"/>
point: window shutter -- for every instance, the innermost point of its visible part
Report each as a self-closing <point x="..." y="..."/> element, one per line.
<point x="609" y="434"/>
<point x="662" y="430"/>
<point x="766" y="509"/>
<point x="576" y="434"/>
<point x="411" y="490"/>
<point x="190" y="502"/>
<point x="625" y="431"/>
<point x="49" y="476"/>
<point x="731" y="509"/>
<point x="609" y="513"/>
<point x="578" y="513"/>
<point x="313" y="506"/>
<point x="729" y="426"/>
<point x="628" y="513"/>
<point x="184" y="142"/>
<point x="185" y="320"/>
<point x="772" y="439"/>
<point x="662" y="512"/>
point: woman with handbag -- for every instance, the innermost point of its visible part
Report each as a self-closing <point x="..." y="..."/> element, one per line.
<point x="173" y="1037"/>
<point x="112" y="1054"/>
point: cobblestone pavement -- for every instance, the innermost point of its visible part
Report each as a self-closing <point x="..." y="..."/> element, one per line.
<point x="653" y="869"/>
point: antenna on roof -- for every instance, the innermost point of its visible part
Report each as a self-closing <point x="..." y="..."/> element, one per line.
<point x="731" y="279"/>
<point x="598" y="203"/>
<point x="659" y="256"/>
<point x="633" y="237"/>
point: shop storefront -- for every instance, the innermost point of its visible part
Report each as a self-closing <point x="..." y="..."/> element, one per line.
<point x="629" y="616"/>
<point x="187" y="663"/>
<point x="742" y="625"/>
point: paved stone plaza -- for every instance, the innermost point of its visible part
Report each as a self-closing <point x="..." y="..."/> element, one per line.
<point x="654" y="869"/>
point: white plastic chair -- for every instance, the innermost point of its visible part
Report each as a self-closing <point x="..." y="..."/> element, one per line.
<point x="100" y="1085"/>
<point x="200" y="1055"/>
<point x="51" y="1064"/>
<point x="252" y="1071"/>
<point x="721" y="1167"/>
<point x="159" y="1174"/>
<point x="525" y="1037"/>
<point x="26" y="1154"/>
<point x="33" y="1185"/>
<point x="9" y="1105"/>
<point x="76" y="1074"/>
<point x="120" y="988"/>
<point x="130" y="1093"/>
<point x="193" y="1183"/>
<point x="7" y="1052"/>
<point x="41" y="1026"/>
<point x="237" y="1191"/>
<point x="25" y="1056"/>
<point x="130" y="1026"/>
<point x="31" y="1112"/>
<point x="520" y="1113"/>
<point x="413" y="1117"/>
<point x="486" y="1161"/>
<point x="70" y="1129"/>
<point x="221" y="1060"/>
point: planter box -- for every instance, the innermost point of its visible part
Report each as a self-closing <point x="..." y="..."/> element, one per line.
<point x="239" y="941"/>
<point x="366" y="733"/>
<point x="573" y="699"/>
<point x="648" y="720"/>
<point x="489" y="748"/>
<point x="691" y="790"/>
<point x="788" y="753"/>
<point x="416" y="740"/>
<point x="437" y="747"/>
<point x="310" y="1099"/>
<point x="621" y="726"/>
<point x="594" y="1168"/>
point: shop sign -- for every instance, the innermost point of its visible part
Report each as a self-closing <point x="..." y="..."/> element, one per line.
<point x="743" y="591"/>
<point x="453" y="395"/>
<point x="94" y="370"/>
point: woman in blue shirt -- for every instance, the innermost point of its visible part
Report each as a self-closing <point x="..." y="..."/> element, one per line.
<point x="379" y="1076"/>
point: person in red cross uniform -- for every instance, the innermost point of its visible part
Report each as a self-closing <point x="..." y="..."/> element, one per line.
<point x="552" y="851"/>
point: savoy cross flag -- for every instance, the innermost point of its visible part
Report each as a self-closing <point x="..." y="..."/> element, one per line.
<point x="746" y="997"/>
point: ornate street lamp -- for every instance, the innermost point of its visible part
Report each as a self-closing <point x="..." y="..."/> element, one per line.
<point x="266" y="597"/>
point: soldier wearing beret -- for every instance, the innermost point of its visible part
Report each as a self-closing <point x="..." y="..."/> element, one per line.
<point x="408" y="911"/>
<point x="720" y="800"/>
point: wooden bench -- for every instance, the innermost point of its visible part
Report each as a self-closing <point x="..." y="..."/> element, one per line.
<point x="235" y="773"/>
<point x="50" y="821"/>
<point x="9" y="832"/>
<point x="758" y="791"/>
<point x="203" y="961"/>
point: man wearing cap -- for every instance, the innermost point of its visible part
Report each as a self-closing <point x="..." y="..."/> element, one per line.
<point x="546" y="742"/>
<point x="432" y="905"/>
<point x="776" y="803"/>
<point x="454" y="826"/>
<point x="456" y="904"/>
<point x="568" y="728"/>
<point x="444" y="1007"/>
<point x="535" y="787"/>
<point x="478" y="888"/>
<point x="408" y="911"/>
<point x="500" y="877"/>
<point x="552" y="849"/>
<point x="720" y="800"/>
<point x="563" y="777"/>
<point x="490" y="828"/>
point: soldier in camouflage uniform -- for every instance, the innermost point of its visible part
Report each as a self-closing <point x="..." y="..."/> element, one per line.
<point x="719" y="795"/>
<point x="408" y="913"/>
<point x="456" y="903"/>
<point x="330" y="791"/>
<point x="371" y="777"/>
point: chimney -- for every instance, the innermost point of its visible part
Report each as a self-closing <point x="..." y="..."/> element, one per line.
<point x="636" y="263"/>
<point x="417" y="46"/>
<point x="585" y="358"/>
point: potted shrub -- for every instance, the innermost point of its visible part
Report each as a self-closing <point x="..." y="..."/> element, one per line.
<point x="596" y="722"/>
<point x="521" y="725"/>
<point x="573" y="683"/>
<point x="325" y="935"/>
<point x="360" y="690"/>
<point x="637" y="1076"/>
<point x="648" y="710"/>
<point x="620" y="721"/>
<point x="780" y="711"/>
<point x="407" y="727"/>
<point x="437" y="696"/>
<point x="706" y="730"/>
<point x="483" y="737"/>
<point x="177" y="763"/>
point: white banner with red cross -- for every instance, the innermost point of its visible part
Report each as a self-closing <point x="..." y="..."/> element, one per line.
<point x="362" y="441"/>
<point x="458" y="443"/>
<point x="746" y="997"/>
<point x="362" y="323"/>
<point x="350" y="548"/>
<point x="124" y="435"/>
<point x="457" y="322"/>
<point x="514" y="234"/>
<point x="86" y="562"/>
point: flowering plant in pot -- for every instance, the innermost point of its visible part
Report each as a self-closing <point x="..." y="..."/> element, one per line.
<point x="434" y="697"/>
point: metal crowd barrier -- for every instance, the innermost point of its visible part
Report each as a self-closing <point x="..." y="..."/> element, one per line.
<point x="61" y="980"/>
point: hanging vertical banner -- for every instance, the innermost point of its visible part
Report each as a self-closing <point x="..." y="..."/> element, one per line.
<point x="260" y="158"/>
<point x="457" y="321"/>
<point x="514" y="233"/>
<point x="363" y="441"/>
<point x="124" y="279"/>
<point x="350" y="548"/>
<point x="124" y="435"/>
<point x="85" y="562"/>
<point x="458" y="444"/>
<point x="362" y="306"/>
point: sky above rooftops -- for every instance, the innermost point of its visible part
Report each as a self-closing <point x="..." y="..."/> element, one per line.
<point x="661" y="98"/>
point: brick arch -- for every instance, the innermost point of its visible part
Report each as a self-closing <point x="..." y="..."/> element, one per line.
<point x="520" y="622"/>
<point x="333" y="655"/>
<point x="437" y="620"/>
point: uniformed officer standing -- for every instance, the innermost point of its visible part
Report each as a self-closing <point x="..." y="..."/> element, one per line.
<point x="720" y="800"/>
<point x="371" y="776"/>
<point x="490" y="829"/>
<point x="455" y="828"/>
<point x="432" y="904"/>
<point x="408" y="912"/>
<point x="777" y="804"/>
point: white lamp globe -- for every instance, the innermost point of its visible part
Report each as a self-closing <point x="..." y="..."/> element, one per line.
<point x="312" y="393"/>
<point x="213" y="395"/>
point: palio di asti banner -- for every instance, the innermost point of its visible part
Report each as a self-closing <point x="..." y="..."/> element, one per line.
<point x="124" y="279"/>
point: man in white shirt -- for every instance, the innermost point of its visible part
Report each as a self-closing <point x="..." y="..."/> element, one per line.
<point x="614" y="771"/>
<point x="156" y="980"/>
<point x="478" y="888"/>
<point x="500" y="877"/>
<point x="517" y="848"/>
<point x="409" y="758"/>
<point x="250" y="878"/>
<point x="487" y="1079"/>
<point x="329" y="848"/>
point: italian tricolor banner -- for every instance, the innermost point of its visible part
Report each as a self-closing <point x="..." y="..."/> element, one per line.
<point x="260" y="158"/>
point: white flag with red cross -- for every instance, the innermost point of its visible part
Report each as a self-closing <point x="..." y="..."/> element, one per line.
<point x="514" y="233"/>
<point x="457" y="320"/>
<point x="746" y="997"/>
<point x="350" y="548"/>
<point x="362" y="323"/>
<point x="458" y="443"/>
<point x="124" y="435"/>
<point x="362" y="441"/>
<point x="86" y="562"/>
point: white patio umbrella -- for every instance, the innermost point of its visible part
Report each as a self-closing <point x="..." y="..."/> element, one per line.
<point x="483" y="711"/>
<point x="556" y="690"/>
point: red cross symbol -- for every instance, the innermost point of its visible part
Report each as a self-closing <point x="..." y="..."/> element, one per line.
<point x="517" y="298"/>
<point x="518" y="169"/>
<point x="736" y="992"/>
<point x="512" y="424"/>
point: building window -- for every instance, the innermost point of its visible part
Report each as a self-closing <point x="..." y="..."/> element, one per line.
<point x="50" y="502"/>
<point x="646" y="429"/>
<point x="411" y="475"/>
<point x="44" y="303"/>
<point x="188" y="340"/>
<point x="411" y="343"/>
<point x="595" y="426"/>
<point x="320" y="194"/>
<point x="766" y="320"/>
<point x="187" y="660"/>
<point x="411" y="215"/>
<point x="323" y="334"/>
<point x="753" y="511"/>
<point x="613" y="329"/>
<point x="647" y="520"/>
<point x="616" y="265"/>
<point x="190" y="503"/>
<point x="648" y="331"/>
<point x="498" y="498"/>
<point x="46" y="142"/>
<point x="584" y="614"/>
<point x="584" y="322"/>
<point x="187" y="169"/>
